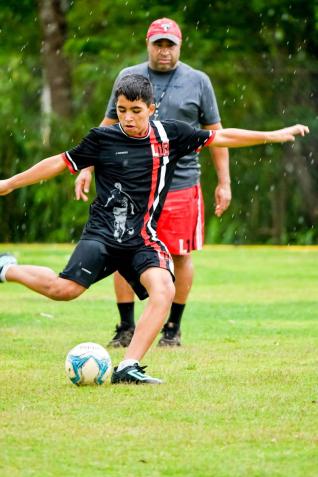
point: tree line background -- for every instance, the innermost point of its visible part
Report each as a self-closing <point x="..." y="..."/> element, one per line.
<point x="58" y="60"/>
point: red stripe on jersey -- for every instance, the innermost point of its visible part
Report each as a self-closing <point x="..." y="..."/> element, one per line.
<point x="154" y="179"/>
<point x="208" y="141"/>
<point x="67" y="162"/>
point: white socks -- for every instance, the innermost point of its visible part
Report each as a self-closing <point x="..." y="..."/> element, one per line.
<point x="125" y="363"/>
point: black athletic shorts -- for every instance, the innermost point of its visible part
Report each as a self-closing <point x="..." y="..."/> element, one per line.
<point x="92" y="261"/>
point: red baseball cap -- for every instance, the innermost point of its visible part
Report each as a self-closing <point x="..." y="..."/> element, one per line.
<point x="164" y="28"/>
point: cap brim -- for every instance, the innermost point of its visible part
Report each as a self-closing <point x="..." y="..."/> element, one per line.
<point x="163" y="36"/>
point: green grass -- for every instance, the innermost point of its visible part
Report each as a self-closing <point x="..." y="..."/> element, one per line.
<point x="241" y="395"/>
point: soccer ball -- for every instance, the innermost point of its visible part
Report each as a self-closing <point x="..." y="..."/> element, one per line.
<point x="88" y="363"/>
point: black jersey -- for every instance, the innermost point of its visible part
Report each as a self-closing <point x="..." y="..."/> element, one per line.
<point x="132" y="178"/>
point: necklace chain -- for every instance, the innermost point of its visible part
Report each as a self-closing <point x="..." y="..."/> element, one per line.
<point x="159" y="101"/>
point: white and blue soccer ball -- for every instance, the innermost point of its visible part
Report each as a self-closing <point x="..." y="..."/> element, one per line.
<point x="88" y="363"/>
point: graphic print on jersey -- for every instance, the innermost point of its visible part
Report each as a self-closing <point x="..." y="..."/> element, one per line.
<point x="123" y="205"/>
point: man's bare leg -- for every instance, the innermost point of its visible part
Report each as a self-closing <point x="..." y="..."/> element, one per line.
<point x="123" y="291"/>
<point x="183" y="269"/>
<point x="126" y="308"/>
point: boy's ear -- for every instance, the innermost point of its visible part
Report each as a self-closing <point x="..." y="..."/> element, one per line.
<point x="152" y="109"/>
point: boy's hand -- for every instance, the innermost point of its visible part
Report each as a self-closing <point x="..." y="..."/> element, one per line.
<point x="288" y="134"/>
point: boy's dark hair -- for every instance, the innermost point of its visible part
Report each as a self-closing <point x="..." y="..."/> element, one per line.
<point x="134" y="88"/>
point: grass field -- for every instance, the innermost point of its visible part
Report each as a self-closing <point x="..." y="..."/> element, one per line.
<point x="241" y="394"/>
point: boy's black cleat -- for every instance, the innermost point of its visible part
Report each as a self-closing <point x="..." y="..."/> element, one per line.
<point x="171" y="335"/>
<point x="122" y="337"/>
<point x="6" y="259"/>
<point x="133" y="375"/>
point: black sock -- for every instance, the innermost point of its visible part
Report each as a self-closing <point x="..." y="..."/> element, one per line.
<point x="176" y="313"/>
<point x="126" y="311"/>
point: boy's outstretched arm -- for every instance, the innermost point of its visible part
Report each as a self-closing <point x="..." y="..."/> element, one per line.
<point x="50" y="167"/>
<point x="231" y="137"/>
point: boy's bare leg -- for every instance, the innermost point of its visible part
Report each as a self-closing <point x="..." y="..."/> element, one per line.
<point x="159" y="285"/>
<point x="45" y="281"/>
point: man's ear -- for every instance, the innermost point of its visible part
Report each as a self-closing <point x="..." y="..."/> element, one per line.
<point x="152" y="109"/>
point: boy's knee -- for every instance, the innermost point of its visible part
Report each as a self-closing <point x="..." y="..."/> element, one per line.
<point x="165" y="291"/>
<point x="65" y="291"/>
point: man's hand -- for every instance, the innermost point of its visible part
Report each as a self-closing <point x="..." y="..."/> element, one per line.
<point x="82" y="184"/>
<point x="223" y="198"/>
<point x="5" y="187"/>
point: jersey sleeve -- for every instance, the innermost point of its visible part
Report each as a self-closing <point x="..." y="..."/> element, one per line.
<point x="191" y="139"/>
<point x="83" y="155"/>
<point x="209" y="111"/>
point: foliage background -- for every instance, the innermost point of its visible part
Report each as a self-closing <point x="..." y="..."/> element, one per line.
<point x="261" y="57"/>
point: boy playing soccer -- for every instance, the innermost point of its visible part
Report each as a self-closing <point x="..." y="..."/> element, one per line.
<point x="134" y="162"/>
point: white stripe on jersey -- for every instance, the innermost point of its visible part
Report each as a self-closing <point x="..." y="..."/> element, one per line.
<point x="71" y="161"/>
<point x="162" y="180"/>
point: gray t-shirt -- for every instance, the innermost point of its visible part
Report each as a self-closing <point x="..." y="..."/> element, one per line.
<point x="189" y="97"/>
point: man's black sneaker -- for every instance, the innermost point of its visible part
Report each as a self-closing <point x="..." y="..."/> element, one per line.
<point x="122" y="337"/>
<point x="6" y="259"/>
<point x="133" y="375"/>
<point x="171" y="335"/>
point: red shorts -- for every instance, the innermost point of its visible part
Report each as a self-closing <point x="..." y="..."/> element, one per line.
<point x="181" y="223"/>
